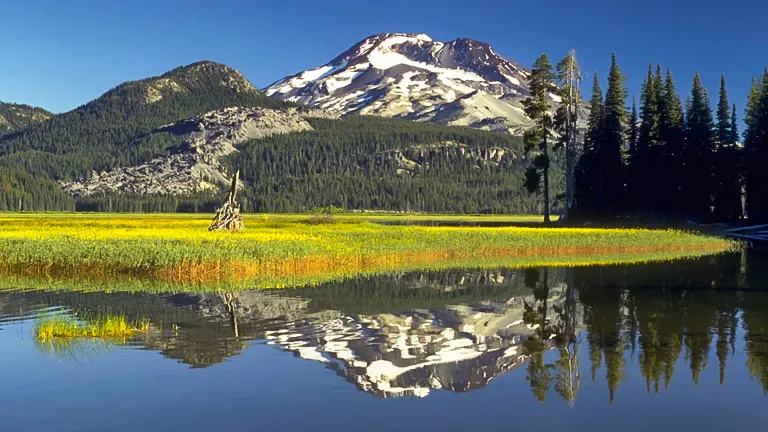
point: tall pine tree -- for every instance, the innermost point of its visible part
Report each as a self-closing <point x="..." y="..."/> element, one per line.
<point x="642" y="177"/>
<point x="723" y="114"/>
<point x="671" y="136"/>
<point x="699" y="153"/>
<point x="566" y="119"/>
<point x="585" y="177"/>
<point x="727" y="178"/>
<point x="756" y="150"/>
<point x="538" y="137"/>
<point x="609" y="171"/>
<point x="595" y="120"/>
<point x="633" y="129"/>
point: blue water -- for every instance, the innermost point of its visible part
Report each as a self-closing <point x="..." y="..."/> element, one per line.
<point x="302" y="359"/>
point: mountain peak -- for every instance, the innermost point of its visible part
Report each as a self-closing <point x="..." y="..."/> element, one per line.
<point x="207" y="69"/>
<point x="413" y="76"/>
<point x="203" y="75"/>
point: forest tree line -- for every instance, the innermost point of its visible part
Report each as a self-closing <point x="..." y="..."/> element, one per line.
<point x="664" y="160"/>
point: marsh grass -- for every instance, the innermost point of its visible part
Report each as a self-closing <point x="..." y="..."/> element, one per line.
<point x="278" y="250"/>
<point x="56" y="327"/>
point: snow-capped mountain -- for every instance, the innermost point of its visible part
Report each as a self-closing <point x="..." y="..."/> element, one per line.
<point x="461" y="82"/>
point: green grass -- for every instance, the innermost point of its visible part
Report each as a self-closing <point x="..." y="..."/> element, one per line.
<point x="69" y="327"/>
<point x="290" y="250"/>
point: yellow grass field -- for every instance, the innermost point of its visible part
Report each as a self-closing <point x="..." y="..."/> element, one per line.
<point x="281" y="250"/>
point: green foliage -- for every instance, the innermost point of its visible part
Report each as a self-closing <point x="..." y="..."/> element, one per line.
<point x="727" y="164"/>
<point x="20" y="191"/>
<point x="594" y="123"/>
<point x="602" y="186"/>
<point x="204" y="202"/>
<point x="724" y="131"/>
<point x="633" y="128"/>
<point x="109" y="131"/>
<point x="684" y="167"/>
<point x="756" y="150"/>
<point x="698" y="154"/>
<point x="352" y="163"/>
<point x="537" y="108"/>
<point x="649" y="113"/>
<point x="17" y="117"/>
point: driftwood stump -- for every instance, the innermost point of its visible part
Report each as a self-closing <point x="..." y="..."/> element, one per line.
<point x="228" y="217"/>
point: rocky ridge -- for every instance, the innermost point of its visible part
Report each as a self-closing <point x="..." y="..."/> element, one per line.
<point x="415" y="158"/>
<point x="196" y="165"/>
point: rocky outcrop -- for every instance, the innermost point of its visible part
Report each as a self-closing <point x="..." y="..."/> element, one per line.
<point x="415" y="158"/>
<point x="196" y="164"/>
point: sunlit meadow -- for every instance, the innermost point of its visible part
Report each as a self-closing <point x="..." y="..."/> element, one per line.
<point x="274" y="251"/>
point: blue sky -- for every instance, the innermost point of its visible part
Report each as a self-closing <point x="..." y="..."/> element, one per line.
<point x="61" y="54"/>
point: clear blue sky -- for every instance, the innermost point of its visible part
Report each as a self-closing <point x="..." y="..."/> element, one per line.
<point x="60" y="54"/>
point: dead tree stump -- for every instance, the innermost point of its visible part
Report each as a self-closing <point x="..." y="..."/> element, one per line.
<point x="228" y="217"/>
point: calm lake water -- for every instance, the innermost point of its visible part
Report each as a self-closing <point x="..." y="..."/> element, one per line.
<point x="667" y="346"/>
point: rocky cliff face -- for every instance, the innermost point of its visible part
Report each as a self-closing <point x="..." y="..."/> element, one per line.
<point x="196" y="164"/>
<point x="462" y="82"/>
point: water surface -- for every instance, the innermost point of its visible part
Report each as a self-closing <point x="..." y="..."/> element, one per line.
<point x="672" y="346"/>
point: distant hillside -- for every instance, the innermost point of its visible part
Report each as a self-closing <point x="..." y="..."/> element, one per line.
<point x="17" y="117"/>
<point x="20" y="191"/>
<point x="109" y="131"/>
<point x="365" y="162"/>
<point x="292" y="160"/>
<point x="167" y="143"/>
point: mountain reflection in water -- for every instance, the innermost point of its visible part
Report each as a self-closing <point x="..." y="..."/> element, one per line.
<point x="410" y="334"/>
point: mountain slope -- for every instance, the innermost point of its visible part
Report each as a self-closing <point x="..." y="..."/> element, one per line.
<point x="292" y="160"/>
<point x="16" y="117"/>
<point x="461" y="82"/>
<point x="374" y="163"/>
<point x="111" y="131"/>
<point x="195" y="165"/>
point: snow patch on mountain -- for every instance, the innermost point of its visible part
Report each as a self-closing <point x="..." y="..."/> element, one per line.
<point x="461" y="82"/>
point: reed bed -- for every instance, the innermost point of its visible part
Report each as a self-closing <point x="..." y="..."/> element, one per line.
<point x="68" y="327"/>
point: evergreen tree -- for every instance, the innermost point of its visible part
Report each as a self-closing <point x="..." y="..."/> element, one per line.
<point x="595" y="121"/>
<point x="756" y="150"/>
<point x="633" y="129"/>
<point x="609" y="171"/>
<point x="727" y="177"/>
<point x="734" y="126"/>
<point x="585" y="180"/>
<point x="698" y="154"/>
<point x="632" y="161"/>
<point x="671" y="125"/>
<point x="566" y="119"/>
<point x="537" y="108"/>
<point x="641" y="180"/>
<point x="658" y="81"/>
<point x="724" y="131"/>
<point x="649" y="113"/>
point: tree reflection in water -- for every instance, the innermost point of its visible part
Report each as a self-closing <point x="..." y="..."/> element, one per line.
<point x="409" y="334"/>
